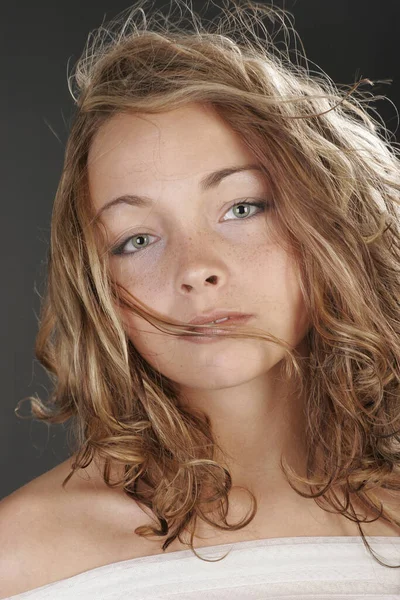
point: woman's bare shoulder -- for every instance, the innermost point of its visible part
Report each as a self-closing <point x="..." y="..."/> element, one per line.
<point x="42" y="524"/>
<point x="24" y="533"/>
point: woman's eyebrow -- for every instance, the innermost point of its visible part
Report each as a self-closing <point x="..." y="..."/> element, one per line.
<point x="207" y="182"/>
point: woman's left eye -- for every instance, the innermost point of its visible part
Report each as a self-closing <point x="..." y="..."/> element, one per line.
<point x="245" y="208"/>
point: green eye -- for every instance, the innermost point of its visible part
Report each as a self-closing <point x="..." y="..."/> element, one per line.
<point x="245" y="208"/>
<point x="141" y="236"/>
<point x="120" y="250"/>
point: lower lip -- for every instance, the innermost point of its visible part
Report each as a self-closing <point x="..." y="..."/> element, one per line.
<point x="216" y="334"/>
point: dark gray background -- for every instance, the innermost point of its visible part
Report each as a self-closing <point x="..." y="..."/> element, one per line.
<point x="349" y="39"/>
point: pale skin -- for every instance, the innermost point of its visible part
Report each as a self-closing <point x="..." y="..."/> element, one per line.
<point x="194" y="236"/>
<point x="200" y="256"/>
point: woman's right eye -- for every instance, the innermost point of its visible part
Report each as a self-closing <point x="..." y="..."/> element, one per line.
<point x="141" y="238"/>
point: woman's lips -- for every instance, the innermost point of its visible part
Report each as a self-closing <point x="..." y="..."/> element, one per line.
<point x="214" y="334"/>
<point x="215" y="315"/>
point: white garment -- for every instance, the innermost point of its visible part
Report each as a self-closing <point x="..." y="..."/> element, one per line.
<point x="293" y="568"/>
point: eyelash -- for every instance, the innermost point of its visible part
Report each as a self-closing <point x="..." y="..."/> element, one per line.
<point x="261" y="204"/>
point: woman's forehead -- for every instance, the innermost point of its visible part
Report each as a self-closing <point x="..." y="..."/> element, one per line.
<point x="135" y="153"/>
<point x="186" y="133"/>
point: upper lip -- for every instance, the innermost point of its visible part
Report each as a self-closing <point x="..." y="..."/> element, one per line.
<point x="216" y="314"/>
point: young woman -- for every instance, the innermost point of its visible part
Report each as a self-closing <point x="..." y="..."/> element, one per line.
<point x="222" y="327"/>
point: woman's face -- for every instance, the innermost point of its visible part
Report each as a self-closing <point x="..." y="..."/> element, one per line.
<point x="191" y="249"/>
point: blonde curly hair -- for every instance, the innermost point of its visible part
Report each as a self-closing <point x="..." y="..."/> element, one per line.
<point x="334" y="175"/>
